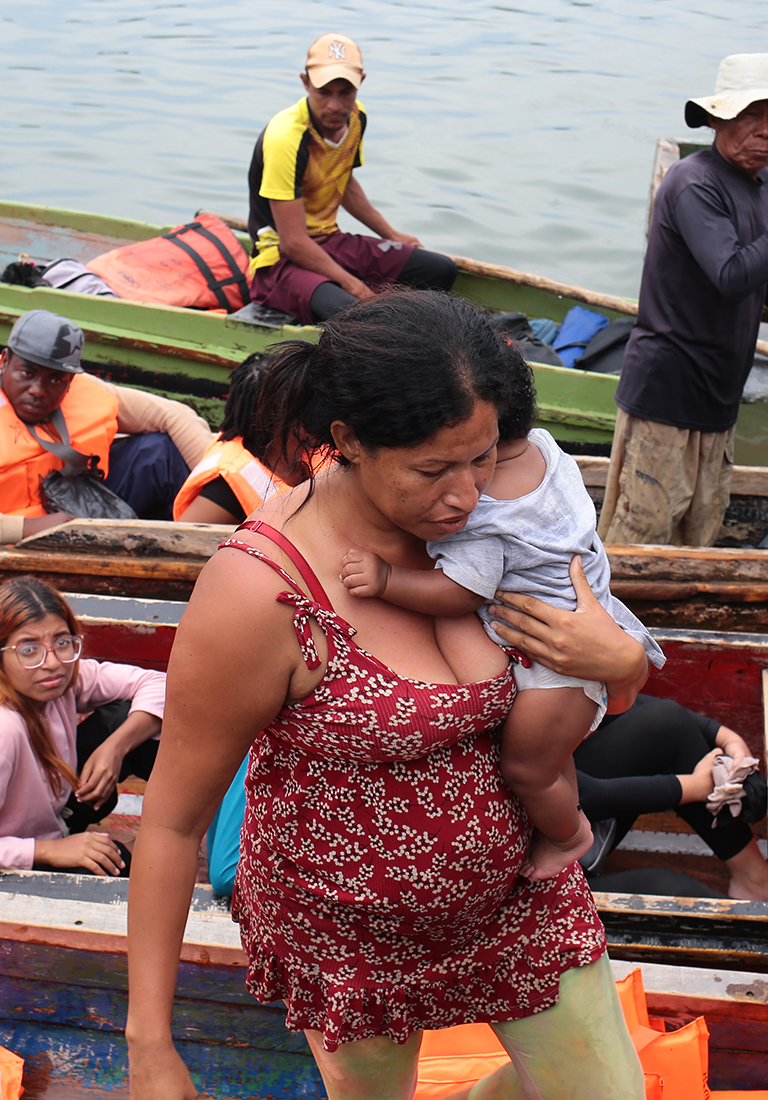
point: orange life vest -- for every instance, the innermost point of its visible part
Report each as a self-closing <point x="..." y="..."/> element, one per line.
<point x="250" y="480"/>
<point x="91" y="417"/>
<point x="201" y="265"/>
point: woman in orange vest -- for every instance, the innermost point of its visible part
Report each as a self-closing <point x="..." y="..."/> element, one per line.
<point x="244" y="466"/>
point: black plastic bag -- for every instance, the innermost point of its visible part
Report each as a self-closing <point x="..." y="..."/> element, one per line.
<point x="85" y="496"/>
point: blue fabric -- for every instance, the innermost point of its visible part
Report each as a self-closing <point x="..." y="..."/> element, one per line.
<point x="578" y="328"/>
<point x="147" y="471"/>
<point x="223" y="843"/>
<point x="544" y="329"/>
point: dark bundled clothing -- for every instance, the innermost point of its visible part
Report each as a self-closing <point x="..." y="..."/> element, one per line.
<point x="701" y="297"/>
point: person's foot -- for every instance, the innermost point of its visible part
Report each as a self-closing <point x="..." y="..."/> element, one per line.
<point x="747" y="890"/>
<point x="749" y="874"/>
<point x="546" y="858"/>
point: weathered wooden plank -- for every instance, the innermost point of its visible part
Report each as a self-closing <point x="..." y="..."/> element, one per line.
<point x="91" y="913"/>
<point x="726" y="567"/>
<point x="100" y="565"/>
<point x="130" y="538"/>
<point x="686" y="931"/>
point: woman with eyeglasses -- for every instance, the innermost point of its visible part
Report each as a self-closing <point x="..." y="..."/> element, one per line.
<point x="44" y="686"/>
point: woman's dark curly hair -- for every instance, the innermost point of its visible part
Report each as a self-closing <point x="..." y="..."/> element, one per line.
<point x="239" y="417"/>
<point x="395" y="369"/>
<point x="254" y="413"/>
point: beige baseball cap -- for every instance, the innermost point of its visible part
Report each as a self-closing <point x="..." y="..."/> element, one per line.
<point x="334" y="57"/>
<point x="741" y="79"/>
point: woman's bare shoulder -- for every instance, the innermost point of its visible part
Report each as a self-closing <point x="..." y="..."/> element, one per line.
<point x="234" y="585"/>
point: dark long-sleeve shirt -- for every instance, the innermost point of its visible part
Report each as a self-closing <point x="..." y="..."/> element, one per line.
<point x="701" y="298"/>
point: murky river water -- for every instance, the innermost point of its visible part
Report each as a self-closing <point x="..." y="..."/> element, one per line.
<point x="515" y="133"/>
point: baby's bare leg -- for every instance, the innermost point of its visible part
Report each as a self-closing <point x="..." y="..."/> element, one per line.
<point x="543" y="728"/>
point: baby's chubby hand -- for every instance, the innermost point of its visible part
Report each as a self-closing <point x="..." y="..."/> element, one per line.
<point x="364" y="573"/>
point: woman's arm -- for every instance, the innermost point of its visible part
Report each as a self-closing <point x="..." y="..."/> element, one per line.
<point x="585" y="643"/>
<point x="731" y="744"/>
<point x="101" y="770"/>
<point x="235" y="661"/>
<point x="102" y="682"/>
<point x="202" y="510"/>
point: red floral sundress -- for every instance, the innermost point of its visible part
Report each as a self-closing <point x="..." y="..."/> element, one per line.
<point x="378" y="890"/>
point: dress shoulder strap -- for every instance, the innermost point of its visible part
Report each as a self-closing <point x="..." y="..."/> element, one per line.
<point x="305" y="570"/>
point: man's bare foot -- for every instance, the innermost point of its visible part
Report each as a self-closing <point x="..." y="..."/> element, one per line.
<point x="546" y="859"/>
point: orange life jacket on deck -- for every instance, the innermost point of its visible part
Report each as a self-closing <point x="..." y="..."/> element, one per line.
<point x="201" y="265"/>
<point x="91" y="417"/>
<point x="250" y="480"/>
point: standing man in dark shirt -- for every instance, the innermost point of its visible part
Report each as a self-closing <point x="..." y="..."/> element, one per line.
<point x="301" y="172"/>
<point x="701" y="298"/>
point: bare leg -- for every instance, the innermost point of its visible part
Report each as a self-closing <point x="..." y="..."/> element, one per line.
<point x="368" y="1069"/>
<point x="542" y="730"/>
<point x="580" y="1048"/>
<point x="749" y="874"/>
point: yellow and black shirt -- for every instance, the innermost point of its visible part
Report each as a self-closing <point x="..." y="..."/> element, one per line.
<point x="293" y="161"/>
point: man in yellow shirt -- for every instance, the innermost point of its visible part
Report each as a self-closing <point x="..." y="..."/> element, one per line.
<point x="301" y="172"/>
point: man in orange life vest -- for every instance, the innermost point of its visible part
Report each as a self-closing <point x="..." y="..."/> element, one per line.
<point x="301" y="172"/>
<point x="40" y="373"/>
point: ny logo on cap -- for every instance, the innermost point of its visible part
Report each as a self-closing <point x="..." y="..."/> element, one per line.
<point x="337" y="51"/>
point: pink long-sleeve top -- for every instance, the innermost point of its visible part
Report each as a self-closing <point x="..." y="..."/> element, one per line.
<point x="29" y="809"/>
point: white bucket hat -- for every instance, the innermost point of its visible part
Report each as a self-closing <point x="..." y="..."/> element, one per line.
<point x="741" y="79"/>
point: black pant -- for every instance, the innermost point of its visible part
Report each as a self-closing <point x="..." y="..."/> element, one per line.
<point x="628" y="766"/>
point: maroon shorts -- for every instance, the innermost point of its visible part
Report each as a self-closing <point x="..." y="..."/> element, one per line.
<point x="286" y="287"/>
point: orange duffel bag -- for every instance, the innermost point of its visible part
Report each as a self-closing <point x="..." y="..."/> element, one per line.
<point x="201" y="265"/>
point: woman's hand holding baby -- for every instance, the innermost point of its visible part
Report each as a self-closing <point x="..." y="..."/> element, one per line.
<point x="586" y="643"/>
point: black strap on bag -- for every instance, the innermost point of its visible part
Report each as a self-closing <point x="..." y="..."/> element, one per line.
<point x="214" y="285"/>
<point x="76" y="462"/>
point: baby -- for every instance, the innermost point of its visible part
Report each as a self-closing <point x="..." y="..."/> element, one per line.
<point x="533" y="518"/>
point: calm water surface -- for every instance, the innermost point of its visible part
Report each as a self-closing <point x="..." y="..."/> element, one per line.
<point x="519" y="134"/>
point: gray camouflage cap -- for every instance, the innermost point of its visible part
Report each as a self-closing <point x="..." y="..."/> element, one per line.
<point x="49" y="340"/>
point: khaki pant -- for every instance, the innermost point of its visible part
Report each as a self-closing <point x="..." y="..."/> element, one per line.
<point x="666" y="485"/>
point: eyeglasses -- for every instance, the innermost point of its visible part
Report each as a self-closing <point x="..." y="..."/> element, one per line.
<point x="67" y="649"/>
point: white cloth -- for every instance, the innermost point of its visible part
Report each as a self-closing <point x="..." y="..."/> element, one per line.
<point x="526" y="546"/>
<point x="729" y="784"/>
<point x="540" y="677"/>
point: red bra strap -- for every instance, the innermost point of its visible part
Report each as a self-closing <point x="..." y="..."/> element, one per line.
<point x="305" y="569"/>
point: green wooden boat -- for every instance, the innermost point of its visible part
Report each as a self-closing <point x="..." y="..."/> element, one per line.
<point x="187" y="351"/>
<point x="190" y="352"/>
